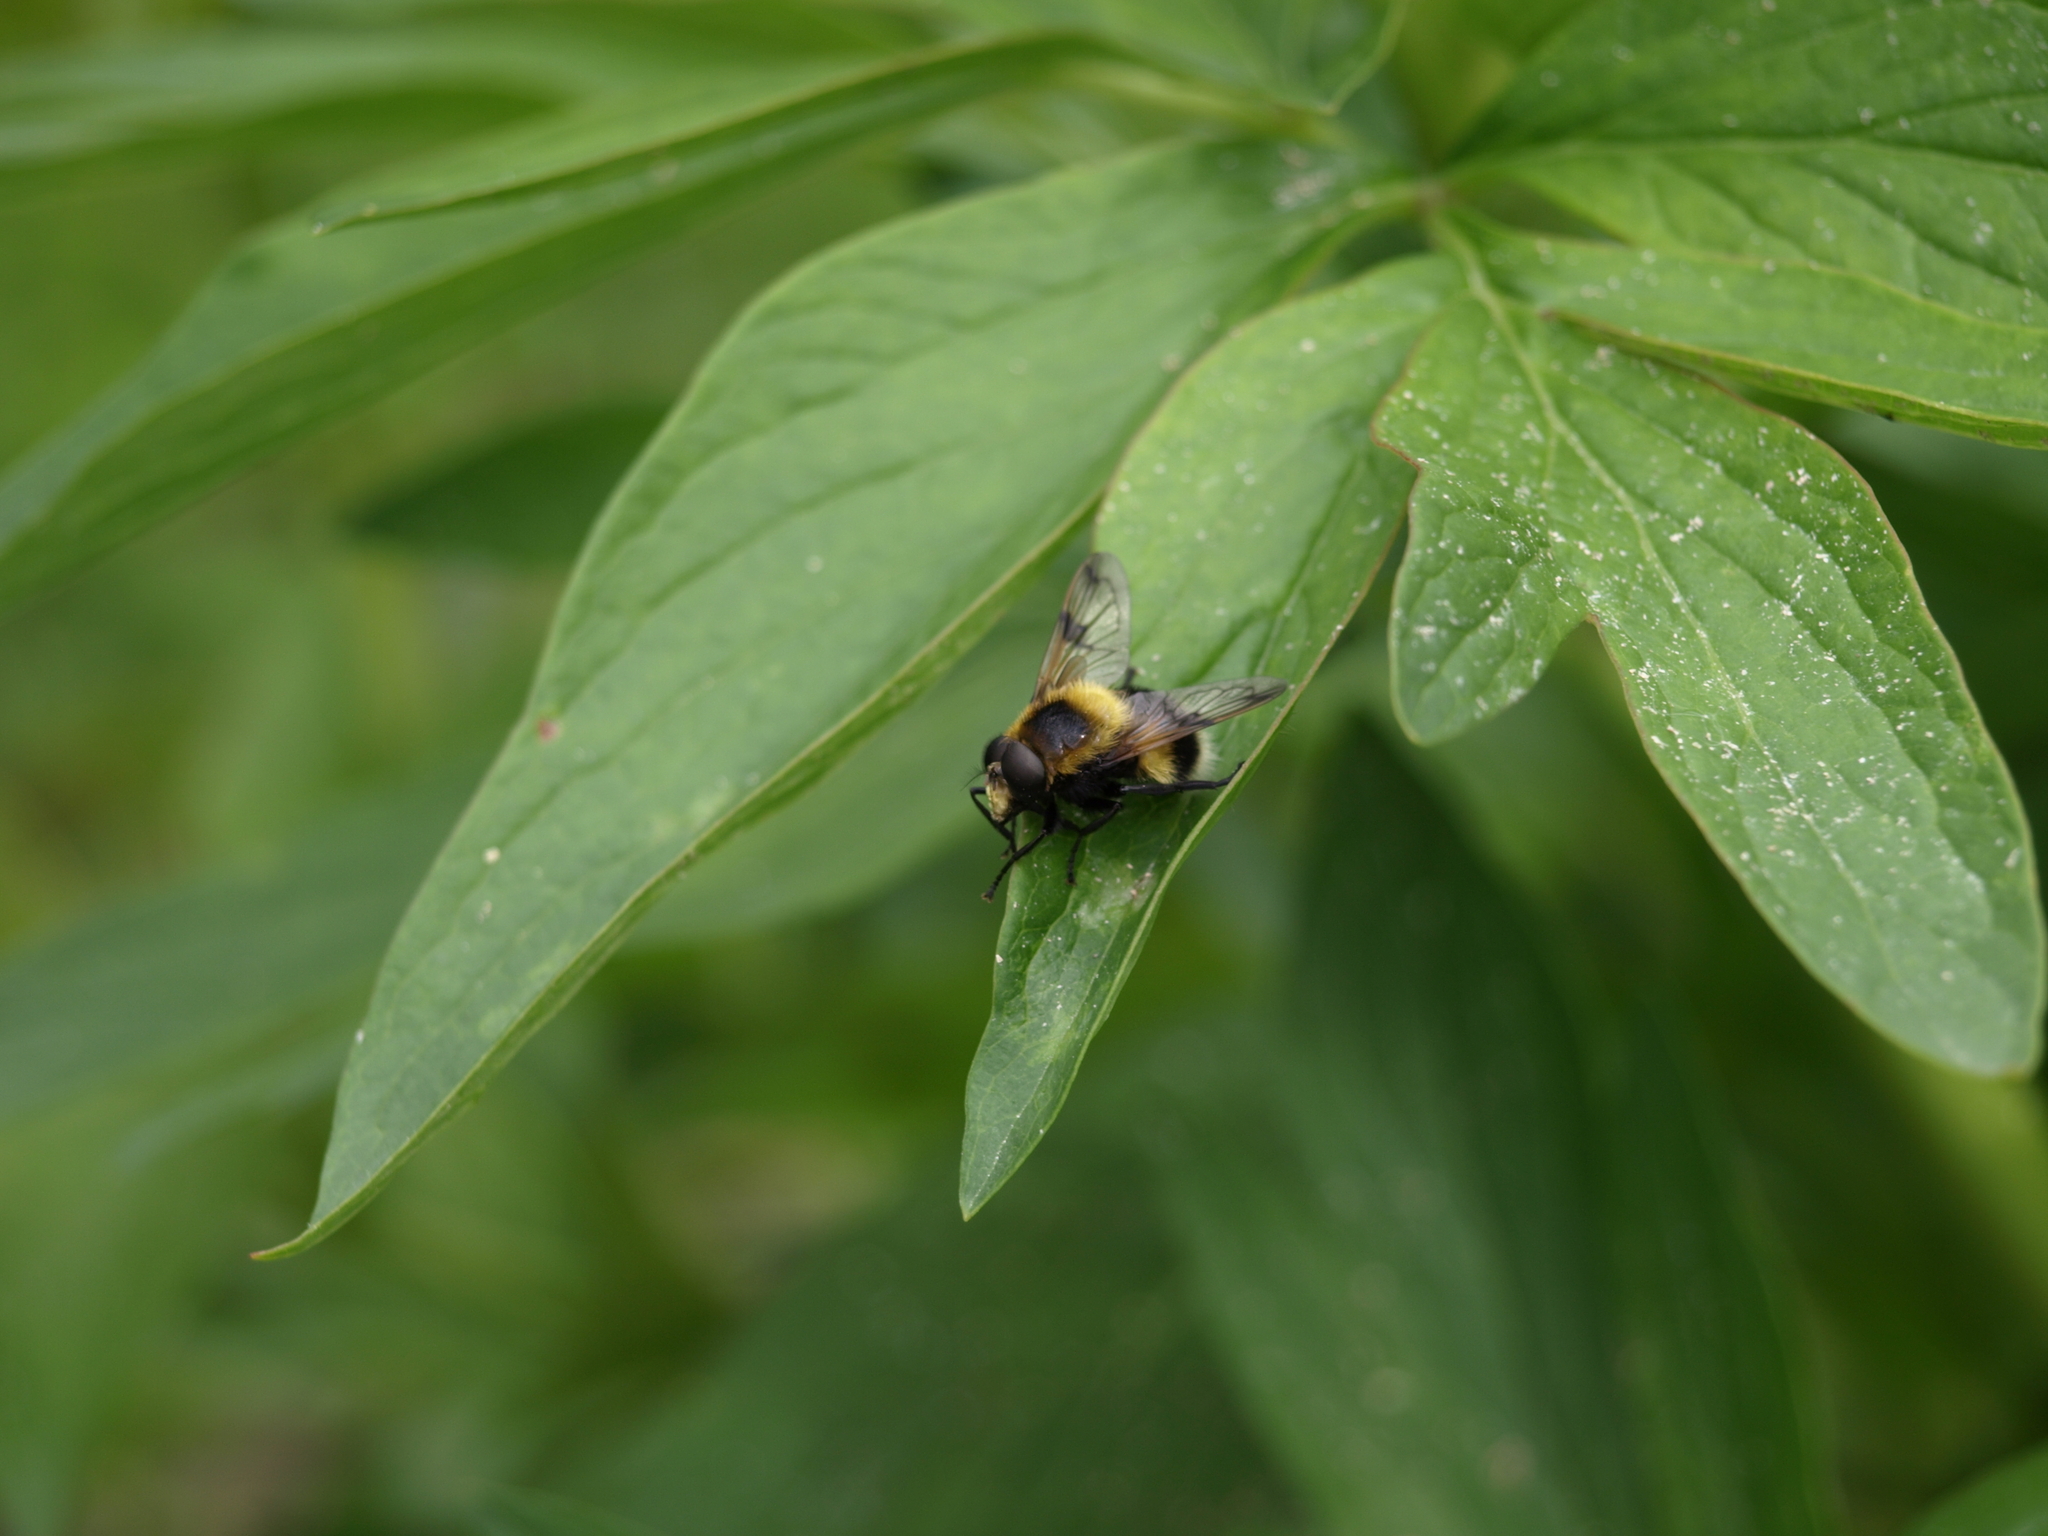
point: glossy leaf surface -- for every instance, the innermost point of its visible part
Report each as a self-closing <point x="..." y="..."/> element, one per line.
<point x="1786" y="677"/>
<point x="878" y="457"/>
<point x="1251" y="515"/>
<point x="1457" y="1239"/>
<point x="1841" y="197"/>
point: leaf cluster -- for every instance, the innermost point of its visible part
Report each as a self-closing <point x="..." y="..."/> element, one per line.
<point x="1408" y="353"/>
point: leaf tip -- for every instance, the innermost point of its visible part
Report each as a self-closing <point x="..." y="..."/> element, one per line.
<point x="980" y="1179"/>
<point x="973" y="1194"/>
<point x="329" y="1218"/>
<point x="317" y="1231"/>
<point x="288" y="1249"/>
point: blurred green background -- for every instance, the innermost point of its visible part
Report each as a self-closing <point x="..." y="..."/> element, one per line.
<point x="703" y="1229"/>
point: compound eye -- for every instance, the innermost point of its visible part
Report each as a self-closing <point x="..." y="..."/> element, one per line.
<point x="993" y="752"/>
<point x="1023" y="769"/>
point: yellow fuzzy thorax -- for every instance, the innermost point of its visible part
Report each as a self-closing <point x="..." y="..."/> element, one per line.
<point x="1105" y="710"/>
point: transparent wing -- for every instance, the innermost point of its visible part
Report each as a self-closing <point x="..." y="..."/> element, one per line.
<point x="1092" y="641"/>
<point x="1159" y="718"/>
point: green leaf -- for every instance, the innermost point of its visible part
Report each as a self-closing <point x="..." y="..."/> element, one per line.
<point x="298" y="329"/>
<point x="207" y="85"/>
<point x="527" y="499"/>
<point x="1476" y="1258"/>
<point x="1783" y="671"/>
<point x="1842" y="199"/>
<point x="724" y="126"/>
<point x="2010" y="1500"/>
<point x="1039" y="1371"/>
<point x="878" y="457"/>
<point x="1310" y="52"/>
<point x="1250" y="515"/>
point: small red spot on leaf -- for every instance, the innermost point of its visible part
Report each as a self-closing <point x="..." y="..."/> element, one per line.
<point x="547" y="729"/>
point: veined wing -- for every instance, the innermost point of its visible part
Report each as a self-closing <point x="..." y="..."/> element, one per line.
<point x="1160" y="718"/>
<point x="1092" y="641"/>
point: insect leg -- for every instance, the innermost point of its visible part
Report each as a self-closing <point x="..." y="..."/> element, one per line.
<point x="976" y="794"/>
<point x="1052" y="825"/>
<point x="1080" y="832"/>
<point x="1182" y="787"/>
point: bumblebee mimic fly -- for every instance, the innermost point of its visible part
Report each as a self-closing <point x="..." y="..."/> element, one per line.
<point x="1088" y="741"/>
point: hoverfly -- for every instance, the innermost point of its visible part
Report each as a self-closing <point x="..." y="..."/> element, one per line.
<point x="1091" y="740"/>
